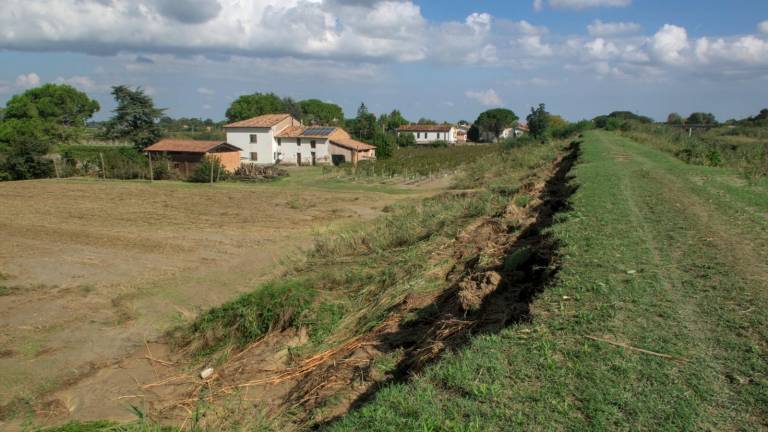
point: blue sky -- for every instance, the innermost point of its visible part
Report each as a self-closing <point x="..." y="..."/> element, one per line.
<point x="443" y="59"/>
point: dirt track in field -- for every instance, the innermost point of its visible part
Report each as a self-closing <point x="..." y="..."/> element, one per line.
<point x="89" y="271"/>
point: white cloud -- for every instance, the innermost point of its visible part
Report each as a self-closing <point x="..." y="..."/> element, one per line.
<point x="29" y="80"/>
<point x="484" y="97"/>
<point x="669" y="44"/>
<point x="533" y="46"/>
<point x="599" y="28"/>
<point x="522" y="27"/>
<point x="388" y="30"/>
<point x="83" y="83"/>
<point x="763" y="27"/>
<point x="584" y="4"/>
<point x="538" y="5"/>
<point x="748" y="50"/>
<point x="205" y="91"/>
<point x="601" y="49"/>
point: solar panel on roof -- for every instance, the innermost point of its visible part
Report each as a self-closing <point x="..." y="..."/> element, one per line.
<point x="320" y="131"/>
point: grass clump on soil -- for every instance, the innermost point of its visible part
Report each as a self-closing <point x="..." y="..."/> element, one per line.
<point x="275" y="306"/>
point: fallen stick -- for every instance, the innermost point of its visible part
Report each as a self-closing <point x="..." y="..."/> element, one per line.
<point x="629" y="347"/>
<point x="162" y="362"/>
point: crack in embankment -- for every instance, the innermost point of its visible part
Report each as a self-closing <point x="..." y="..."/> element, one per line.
<point x="481" y="299"/>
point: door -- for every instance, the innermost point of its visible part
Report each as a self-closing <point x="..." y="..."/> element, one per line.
<point x="314" y="159"/>
<point x="298" y="159"/>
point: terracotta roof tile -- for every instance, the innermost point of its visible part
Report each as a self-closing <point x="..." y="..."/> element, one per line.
<point x="351" y="144"/>
<point x="188" y="146"/>
<point x="263" y="121"/>
<point x="425" y="128"/>
<point x="291" y="132"/>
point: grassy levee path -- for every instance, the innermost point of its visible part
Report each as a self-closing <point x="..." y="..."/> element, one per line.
<point x="656" y="255"/>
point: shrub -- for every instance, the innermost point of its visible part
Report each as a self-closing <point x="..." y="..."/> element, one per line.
<point x="26" y="168"/>
<point x="210" y="169"/>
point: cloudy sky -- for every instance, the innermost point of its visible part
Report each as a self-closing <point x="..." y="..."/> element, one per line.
<point x="444" y="59"/>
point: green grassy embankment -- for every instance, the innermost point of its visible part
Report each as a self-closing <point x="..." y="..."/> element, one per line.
<point x="656" y="255"/>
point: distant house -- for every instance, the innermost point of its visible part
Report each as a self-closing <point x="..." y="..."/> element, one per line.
<point x="515" y="131"/>
<point x="273" y="138"/>
<point x="427" y="134"/>
<point x="185" y="155"/>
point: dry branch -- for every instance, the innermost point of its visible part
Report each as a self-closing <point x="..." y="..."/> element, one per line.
<point x="644" y="351"/>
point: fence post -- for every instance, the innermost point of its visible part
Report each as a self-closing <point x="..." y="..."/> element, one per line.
<point x="103" y="166"/>
<point x="151" y="172"/>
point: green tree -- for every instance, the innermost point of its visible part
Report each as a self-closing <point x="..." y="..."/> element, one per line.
<point x="23" y="143"/>
<point x="628" y="115"/>
<point x="674" y="119"/>
<point x="322" y="113"/>
<point x="390" y="122"/>
<point x="135" y="119"/>
<point x="406" y="140"/>
<point x="701" y="118"/>
<point x="494" y="121"/>
<point x="385" y="144"/>
<point x="292" y="107"/>
<point x="538" y="122"/>
<point x="473" y="134"/>
<point x="365" y="124"/>
<point x="254" y="105"/>
<point x="64" y="109"/>
<point x="426" y="121"/>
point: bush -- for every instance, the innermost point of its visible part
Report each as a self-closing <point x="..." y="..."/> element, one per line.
<point x="209" y="169"/>
<point x="439" y="144"/>
<point x="26" y="168"/>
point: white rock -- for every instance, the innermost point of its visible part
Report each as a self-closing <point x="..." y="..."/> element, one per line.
<point x="206" y="373"/>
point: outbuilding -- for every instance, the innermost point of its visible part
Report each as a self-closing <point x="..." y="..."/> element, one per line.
<point x="185" y="155"/>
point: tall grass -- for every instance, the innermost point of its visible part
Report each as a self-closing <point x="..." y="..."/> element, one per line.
<point x="745" y="149"/>
<point x="416" y="162"/>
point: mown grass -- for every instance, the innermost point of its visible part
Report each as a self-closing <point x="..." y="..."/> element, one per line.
<point x="639" y="268"/>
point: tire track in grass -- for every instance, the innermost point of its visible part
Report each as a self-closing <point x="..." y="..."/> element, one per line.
<point x="717" y="274"/>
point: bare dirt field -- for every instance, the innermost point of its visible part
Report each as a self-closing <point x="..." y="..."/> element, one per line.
<point x="91" y="270"/>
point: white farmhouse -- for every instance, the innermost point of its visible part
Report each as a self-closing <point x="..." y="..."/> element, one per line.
<point x="273" y="138"/>
<point x="427" y="134"/>
<point x="517" y="131"/>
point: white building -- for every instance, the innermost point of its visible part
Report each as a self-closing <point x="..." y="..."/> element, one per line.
<point x="516" y="131"/>
<point x="427" y="134"/>
<point x="273" y="138"/>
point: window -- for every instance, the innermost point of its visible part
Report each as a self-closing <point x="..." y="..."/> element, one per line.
<point x="279" y="142"/>
<point x="312" y="143"/>
<point x="418" y="135"/>
<point x="254" y="138"/>
<point x="254" y="155"/>
<point x="298" y="141"/>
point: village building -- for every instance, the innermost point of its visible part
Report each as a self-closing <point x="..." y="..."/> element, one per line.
<point x="428" y="134"/>
<point x="516" y="131"/>
<point x="185" y="155"/>
<point x="273" y="138"/>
